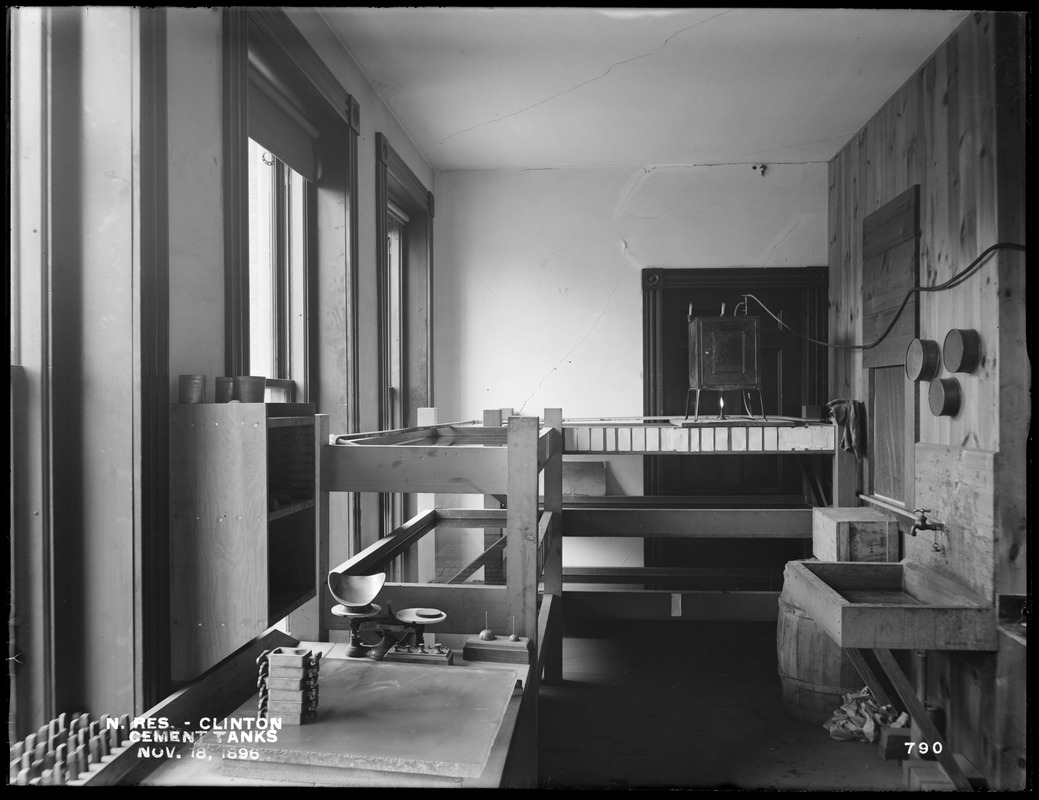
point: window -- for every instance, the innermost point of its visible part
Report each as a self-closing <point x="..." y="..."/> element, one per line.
<point x="279" y="230"/>
<point x="404" y="217"/>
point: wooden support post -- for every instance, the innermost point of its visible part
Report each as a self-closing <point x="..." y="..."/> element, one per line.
<point x="845" y="478"/>
<point x="324" y="609"/>
<point x="493" y="568"/>
<point x="521" y="557"/>
<point x="553" y="572"/>
<point x="522" y="543"/>
<point x="914" y="705"/>
<point x="422" y="563"/>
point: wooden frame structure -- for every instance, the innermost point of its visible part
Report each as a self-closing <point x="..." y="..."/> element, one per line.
<point x="667" y="517"/>
<point x="500" y="461"/>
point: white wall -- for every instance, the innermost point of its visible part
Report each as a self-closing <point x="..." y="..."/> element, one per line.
<point x="537" y="288"/>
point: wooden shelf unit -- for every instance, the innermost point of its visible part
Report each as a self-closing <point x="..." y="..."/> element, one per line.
<point x="243" y="525"/>
<point x="689" y="517"/>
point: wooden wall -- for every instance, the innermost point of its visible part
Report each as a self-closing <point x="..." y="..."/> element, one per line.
<point x="956" y="128"/>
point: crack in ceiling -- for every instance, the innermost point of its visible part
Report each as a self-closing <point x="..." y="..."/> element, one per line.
<point x="574" y="88"/>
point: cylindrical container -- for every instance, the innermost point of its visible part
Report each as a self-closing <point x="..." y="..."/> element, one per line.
<point x="962" y="350"/>
<point x="249" y="388"/>
<point x="813" y="670"/>
<point x="923" y="360"/>
<point x="192" y="389"/>
<point x="944" y="397"/>
<point x="224" y="390"/>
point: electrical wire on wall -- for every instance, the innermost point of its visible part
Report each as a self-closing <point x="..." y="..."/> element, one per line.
<point x="954" y="281"/>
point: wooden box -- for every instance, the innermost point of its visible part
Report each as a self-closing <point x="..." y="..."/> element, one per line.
<point x="853" y="534"/>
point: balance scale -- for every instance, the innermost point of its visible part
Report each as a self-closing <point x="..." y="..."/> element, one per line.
<point x="401" y="634"/>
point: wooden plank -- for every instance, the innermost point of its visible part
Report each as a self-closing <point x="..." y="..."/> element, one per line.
<point x="958" y="485"/>
<point x="918" y="712"/>
<point x="521" y="547"/>
<point x="629" y="604"/>
<point x="471" y="517"/>
<point x="376" y="557"/>
<point x="624" y="440"/>
<point x="610" y="440"/>
<point x="739" y="440"/>
<point x="893" y="223"/>
<point x="894" y="273"/>
<point x="218" y="502"/>
<point x="922" y="627"/>
<point x="469" y="569"/>
<point x="447" y="470"/>
<point x="584" y="478"/>
<point x="639" y="574"/>
<point x="786" y="523"/>
<point x="652" y="439"/>
<point x="881" y="576"/>
<point x="770" y="439"/>
<point x="755" y="439"/>
<point x="803" y="588"/>
<point x="638" y="439"/>
<point x="858" y="658"/>
<point x="584" y="440"/>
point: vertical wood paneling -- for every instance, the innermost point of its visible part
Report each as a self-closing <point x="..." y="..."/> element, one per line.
<point x="955" y="128"/>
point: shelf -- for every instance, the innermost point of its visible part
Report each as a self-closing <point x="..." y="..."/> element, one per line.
<point x="288" y="422"/>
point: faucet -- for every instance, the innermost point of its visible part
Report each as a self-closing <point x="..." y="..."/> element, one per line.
<point x="923" y="524"/>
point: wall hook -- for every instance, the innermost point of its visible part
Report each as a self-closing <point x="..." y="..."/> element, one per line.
<point x="761" y="168"/>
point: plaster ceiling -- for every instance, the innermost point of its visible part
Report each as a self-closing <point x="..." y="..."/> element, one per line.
<point x="542" y="88"/>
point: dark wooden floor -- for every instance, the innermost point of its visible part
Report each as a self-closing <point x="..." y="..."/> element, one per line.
<point x="688" y="705"/>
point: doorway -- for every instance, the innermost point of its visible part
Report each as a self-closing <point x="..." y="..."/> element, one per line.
<point x="793" y="374"/>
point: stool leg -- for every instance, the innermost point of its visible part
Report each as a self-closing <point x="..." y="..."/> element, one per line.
<point x="696" y="414"/>
<point x="687" y="393"/>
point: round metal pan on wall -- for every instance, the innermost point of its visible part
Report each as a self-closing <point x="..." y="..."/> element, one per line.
<point x="962" y="350"/>
<point x="944" y="397"/>
<point x="923" y="360"/>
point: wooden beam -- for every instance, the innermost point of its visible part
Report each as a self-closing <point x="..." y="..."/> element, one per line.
<point x="639" y="574"/>
<point x="372" y="558"/>
<point x="730" y="523"/>
<point x="551" y="641"/>
<point x="493" y="551"/>
<point x="448" y="470"/>
<point x="858" y="658"/>
<point x="652" y="604"/>
<point x="471" y="517"/>
<point x="521" y="546"/>
<point x="918" y="712"/>
<point x="464" y="603"/>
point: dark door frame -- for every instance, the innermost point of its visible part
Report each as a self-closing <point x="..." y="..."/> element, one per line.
<point x="657" y="283"/>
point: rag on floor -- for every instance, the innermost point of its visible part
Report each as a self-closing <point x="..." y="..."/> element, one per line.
<point x="850" y="416"/>
<point x="861" y="717"/>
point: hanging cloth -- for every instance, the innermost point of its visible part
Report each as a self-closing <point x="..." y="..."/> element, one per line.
<point x="850" y="417"/>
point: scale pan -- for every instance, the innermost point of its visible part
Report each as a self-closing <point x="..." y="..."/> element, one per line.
<point x="355" y="590"/>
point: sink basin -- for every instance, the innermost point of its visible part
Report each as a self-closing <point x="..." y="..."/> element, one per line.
<point x="896" y="606"/>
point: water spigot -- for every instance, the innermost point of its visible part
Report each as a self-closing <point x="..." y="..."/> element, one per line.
<point x="923" y="524"/>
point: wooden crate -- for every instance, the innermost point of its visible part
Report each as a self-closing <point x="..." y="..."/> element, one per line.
<point x="853" y="534"/>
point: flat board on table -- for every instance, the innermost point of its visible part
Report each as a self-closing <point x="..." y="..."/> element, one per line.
<point x="392" y="718"/>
